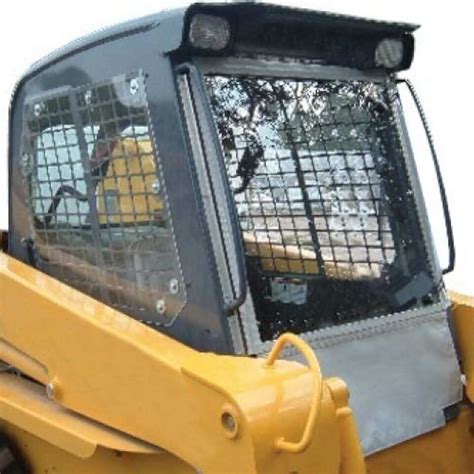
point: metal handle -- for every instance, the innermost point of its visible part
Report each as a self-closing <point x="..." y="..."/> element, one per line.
<point x="439" y="176"/>
<point x="308" y="353"/>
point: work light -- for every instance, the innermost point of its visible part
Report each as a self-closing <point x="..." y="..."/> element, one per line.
<point x="209" y="32"/>
<point x="389" y="53"/>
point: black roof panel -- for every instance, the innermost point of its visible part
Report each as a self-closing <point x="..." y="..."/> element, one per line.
<point x="236" y="9"/>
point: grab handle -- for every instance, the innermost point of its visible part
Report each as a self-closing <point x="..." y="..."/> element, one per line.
<point x="439" y="176"/>
<point x="291" y="339"/>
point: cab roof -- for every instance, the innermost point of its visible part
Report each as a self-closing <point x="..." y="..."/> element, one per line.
<point x="174" y="21"/>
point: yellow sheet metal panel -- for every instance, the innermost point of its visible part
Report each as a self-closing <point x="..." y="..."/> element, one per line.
<point x="448" y="450"/>
<point x="463" y="322"/>
<point x="26" y="405"/>
<point x="43" y="457"/>
<point x="123" y="374"/>
<point x="23" y="362"/>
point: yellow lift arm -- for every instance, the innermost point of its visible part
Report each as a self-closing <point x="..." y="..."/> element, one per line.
<point x="215" y="413"/>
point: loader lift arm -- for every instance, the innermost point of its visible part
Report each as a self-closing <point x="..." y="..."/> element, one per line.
<point x="235" y="408"/>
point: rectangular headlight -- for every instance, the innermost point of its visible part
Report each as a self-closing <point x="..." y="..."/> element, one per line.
<point x="390" y="53"/>
<point x="209" y="32"/>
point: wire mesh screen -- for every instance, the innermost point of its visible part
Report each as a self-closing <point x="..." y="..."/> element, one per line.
<point x="326" y="211"/>
<point x="347" y="235"/>
<point x="97" y="199"/>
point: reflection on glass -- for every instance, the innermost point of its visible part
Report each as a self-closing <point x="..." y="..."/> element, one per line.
<point x="326" y="211"/>
<point x="96" y="197"/>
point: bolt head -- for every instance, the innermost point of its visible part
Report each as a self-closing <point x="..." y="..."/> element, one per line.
<point x="26" y="164"/>
<point x="161" y="306"/>
<point x="50" y="389"/>
<point x="174" y="286"/>
<point x="156" y="186"/>
<point x="39" y="109"/>
<point x="134" y="86"/>
<point x="88" y="97"/>
<point x="230" y="423"/>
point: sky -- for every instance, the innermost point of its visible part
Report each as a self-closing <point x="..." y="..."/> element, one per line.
<point x="441" y="72"/>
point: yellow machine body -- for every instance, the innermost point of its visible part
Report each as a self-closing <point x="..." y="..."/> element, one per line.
<point x="190" y="393"/>
<point x="448" y="450"/>
<point x="94" y="421"/>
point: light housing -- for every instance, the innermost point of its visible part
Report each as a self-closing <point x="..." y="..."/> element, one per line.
<point x="390" y="53"/>
<point x="209" y="32"/>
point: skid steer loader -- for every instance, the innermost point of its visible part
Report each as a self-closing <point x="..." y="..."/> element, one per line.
<point x="217" y="232"/>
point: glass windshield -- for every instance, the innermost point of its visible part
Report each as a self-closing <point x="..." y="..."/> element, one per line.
<point x="328" y="218"/>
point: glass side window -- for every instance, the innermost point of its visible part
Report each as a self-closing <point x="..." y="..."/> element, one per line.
<point x="98" y="201"/>
<point x="59" y="165"/>
<point x="328" y="218"/>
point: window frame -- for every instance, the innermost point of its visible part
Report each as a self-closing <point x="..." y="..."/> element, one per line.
<point x="289" y="68"/>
